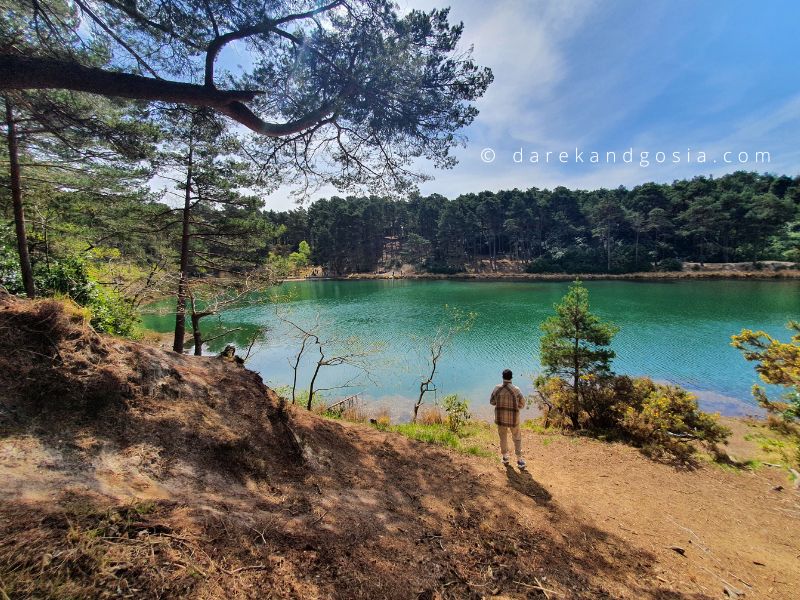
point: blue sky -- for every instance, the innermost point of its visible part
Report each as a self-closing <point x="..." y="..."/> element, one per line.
<point x="670" y="76"/>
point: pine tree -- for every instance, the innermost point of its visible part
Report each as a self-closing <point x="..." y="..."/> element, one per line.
<point x="778" y="364"/>
<point x="65" y="148"/>
<point x="221" y="233"/>
<point x="575" y="344"/>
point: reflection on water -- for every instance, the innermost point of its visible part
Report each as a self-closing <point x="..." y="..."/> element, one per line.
<point x="675" y="332"/>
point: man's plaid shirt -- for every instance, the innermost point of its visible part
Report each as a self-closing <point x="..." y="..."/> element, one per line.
<point x="507" y="400"/>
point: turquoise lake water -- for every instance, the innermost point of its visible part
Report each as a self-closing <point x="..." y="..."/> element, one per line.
<point x="676" y="331"/>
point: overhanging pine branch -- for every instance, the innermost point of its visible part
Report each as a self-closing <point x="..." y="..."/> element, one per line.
<point x="238" y="111"/>
<point x="19" y="72"/>
<point x="22" y="72"/>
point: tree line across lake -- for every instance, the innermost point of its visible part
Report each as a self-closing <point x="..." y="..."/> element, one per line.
<point x="123" y="232"/>
<point x="742" y="216"/>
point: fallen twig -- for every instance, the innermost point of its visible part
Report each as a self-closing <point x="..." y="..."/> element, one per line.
<point x="545" y="591"/>
<point x="248" y="568"/>
<point x="261" y="534"/>
<point x="546" y="595"/>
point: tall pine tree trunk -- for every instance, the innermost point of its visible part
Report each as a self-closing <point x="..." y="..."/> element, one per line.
<point x="314" y="377"/>
<point x="16" y="199"/>
<point x="574" y="414"/>
<point x="197" y="335"/>
<point x="180" y="309"/>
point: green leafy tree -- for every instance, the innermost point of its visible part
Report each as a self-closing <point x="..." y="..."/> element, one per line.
<point x="767" y="214"/>
<point x="664" y="420"/>
<point x="575" y="344"/>
<point x="59" y="142"/>
<point x="606" y="216"/>
<point x="55" y="136"/>
<point x="650" y="226"/>
<point x="455" y="225"/>
<point x="301" y="258"/>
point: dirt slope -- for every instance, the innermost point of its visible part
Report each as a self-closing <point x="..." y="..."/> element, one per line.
<point x="128" y="471"/>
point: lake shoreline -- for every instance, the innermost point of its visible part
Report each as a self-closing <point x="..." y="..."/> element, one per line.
<point x="788" y="274"/>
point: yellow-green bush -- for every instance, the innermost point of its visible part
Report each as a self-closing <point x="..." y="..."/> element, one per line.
<point x="665" y="419"/>
<point x="661" y="419"/>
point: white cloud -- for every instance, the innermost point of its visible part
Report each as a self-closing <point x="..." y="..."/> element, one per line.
<point x="525" y="44"/>
<point x="579" y="73"/>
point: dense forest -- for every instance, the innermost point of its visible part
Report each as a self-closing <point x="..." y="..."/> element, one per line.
<point x="738" y="217"/>
<point x="112" y="219"/>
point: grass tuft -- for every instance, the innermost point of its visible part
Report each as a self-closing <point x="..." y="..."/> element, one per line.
<point x="436" y="433"/>
<point x="537" y="426"/>
<point x="441" y="435"/>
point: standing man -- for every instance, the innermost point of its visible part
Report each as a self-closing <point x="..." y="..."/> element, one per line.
<point x="508" y="400"/>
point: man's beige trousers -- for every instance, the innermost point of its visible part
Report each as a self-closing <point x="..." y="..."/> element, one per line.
<point x="516" y="435"/>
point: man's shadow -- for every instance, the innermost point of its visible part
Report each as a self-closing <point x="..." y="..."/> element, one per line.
<point x="524" y="483"/>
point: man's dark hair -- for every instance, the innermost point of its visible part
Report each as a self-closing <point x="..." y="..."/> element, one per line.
<point x="507" y="374"/>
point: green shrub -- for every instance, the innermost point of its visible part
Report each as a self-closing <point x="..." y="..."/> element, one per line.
<point x="291" y="264"/>
<point x="280" y="265"/>
<point x="68" y="277"/>
<point x="457" y="411"/>
<point x="302" y="257"/>
<point x="10" y="277"/>
<point x="110" y="311"/>
<point x="664" y="420"/>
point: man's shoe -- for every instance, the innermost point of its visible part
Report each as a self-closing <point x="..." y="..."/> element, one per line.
<point x="521" y="463"/>
<point x="505" y="460"/>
